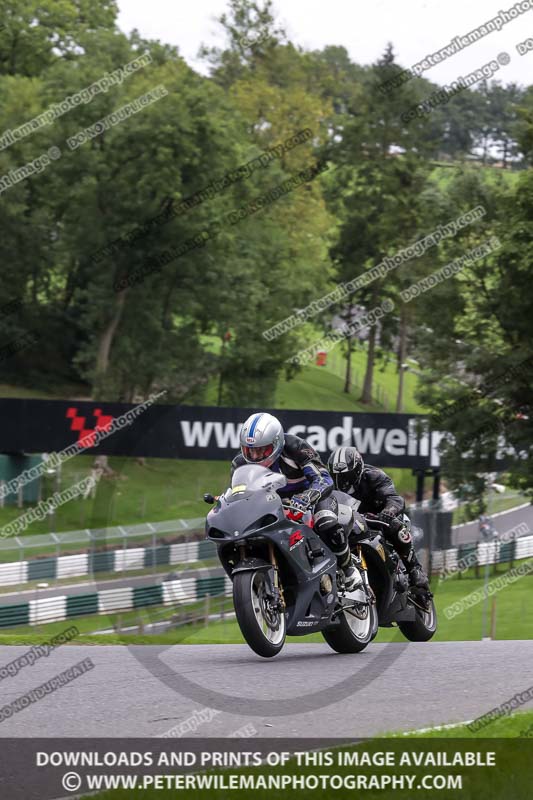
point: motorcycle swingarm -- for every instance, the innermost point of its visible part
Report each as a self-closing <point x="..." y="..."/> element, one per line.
<point x="357" y="598"/>
<point x="406" y="614"/>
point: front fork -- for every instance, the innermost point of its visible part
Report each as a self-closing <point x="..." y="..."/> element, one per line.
<point x="278" y="588"/>
<point x="278" y="598"/>
<point x="362" y="566"/>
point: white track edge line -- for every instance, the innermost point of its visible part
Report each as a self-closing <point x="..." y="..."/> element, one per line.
<point x="438" y="727"/>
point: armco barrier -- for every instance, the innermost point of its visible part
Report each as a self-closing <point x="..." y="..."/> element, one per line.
<point x="468" y="553"/>
<point x="148" y="596"/>
<point x="160" y="555"/>
<point x="130" y="558"/>
<point x="14" y="615"/>
<point x="12" y="574"/>
<point x="507" y="551"/>
<point x="178" y="591"/>
<point x="42" y="568"/>
<point x="523" y="547"/>
<point x="135" y="558"/>
<point x="72" y="566"/>
<point x="451" y="561"/>
<point x="79" y="605"/>
<point x="100" y="562"/>
<point x="49" y="609"/>
<point x="110" y="601"/>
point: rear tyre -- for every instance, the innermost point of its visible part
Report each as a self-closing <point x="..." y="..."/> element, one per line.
<point x="263" y="628"/>
<point x="423" y="627"/>
<point x="375" y="627"/>
<point x="375" y="619"/>
<point x="354" y="631"/>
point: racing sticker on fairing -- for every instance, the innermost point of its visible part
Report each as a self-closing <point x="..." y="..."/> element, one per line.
<point x="295" y="539"/>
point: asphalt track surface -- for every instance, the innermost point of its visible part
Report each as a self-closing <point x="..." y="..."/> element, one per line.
<point x="503" y="521"/>
<point x="307" y="690"/>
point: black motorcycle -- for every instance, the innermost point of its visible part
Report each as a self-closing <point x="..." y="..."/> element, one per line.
<point x="285" y="578"/>
<point x="411" y="609"/>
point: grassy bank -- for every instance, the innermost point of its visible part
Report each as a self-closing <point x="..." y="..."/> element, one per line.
<point x="502" y="728"/>
<point x="156" y="490"/>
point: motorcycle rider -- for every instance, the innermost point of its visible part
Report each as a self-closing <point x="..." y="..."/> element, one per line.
<point x="264" y="442"/>
<point x="377" y="495"/>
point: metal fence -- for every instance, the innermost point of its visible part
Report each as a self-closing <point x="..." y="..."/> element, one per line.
<point x="17" y="548"/>
<point x="109" y="561"/>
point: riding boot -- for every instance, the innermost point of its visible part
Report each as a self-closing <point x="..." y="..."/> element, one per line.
<point x="417" y="575"/>
<point x="352" y="576"/>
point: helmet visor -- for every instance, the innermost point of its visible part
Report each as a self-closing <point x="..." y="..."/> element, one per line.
<point x="255" y="455"/>
<point x="342" y="481"/>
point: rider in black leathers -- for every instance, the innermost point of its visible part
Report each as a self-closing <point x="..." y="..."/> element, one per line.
<point x="377" y="495"/>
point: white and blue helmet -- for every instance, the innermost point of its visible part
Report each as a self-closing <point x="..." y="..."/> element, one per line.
<point x="261" y="439"/>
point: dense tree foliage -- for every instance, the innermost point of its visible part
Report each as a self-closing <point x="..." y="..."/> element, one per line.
<point x="361" y="185"/>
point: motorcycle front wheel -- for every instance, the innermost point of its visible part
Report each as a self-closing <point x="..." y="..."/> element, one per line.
<point x="263" y="627"/>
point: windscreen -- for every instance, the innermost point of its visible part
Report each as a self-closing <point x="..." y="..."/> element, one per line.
<point x="252" y="478"/>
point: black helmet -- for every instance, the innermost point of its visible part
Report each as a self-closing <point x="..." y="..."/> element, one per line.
<point x="345" y="466"/>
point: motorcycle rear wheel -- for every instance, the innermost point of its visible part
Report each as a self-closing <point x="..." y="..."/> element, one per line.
<point x="263" y="629"/>
<point x="352" y="634"/>
<point x="423" y="627"/>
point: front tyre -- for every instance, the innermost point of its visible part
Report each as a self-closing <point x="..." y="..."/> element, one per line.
<point x="423" y="627"/>
<point x="263" y="627"/>
<point x="356" y="629"/>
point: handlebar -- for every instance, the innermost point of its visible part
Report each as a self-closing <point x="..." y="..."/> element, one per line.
<point x="371" y="520"/>
<point x="374" y="522"/>
<point x="295" y="516"/>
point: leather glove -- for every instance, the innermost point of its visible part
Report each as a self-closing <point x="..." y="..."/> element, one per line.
<point x="395" y="524"/>
<point x="301" y="502"/>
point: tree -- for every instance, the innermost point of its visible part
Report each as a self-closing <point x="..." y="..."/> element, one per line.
<point x="280" y="254"/>
<point x="503" y="105"/>
<point x="380" y="175"/>
<point x="477" y="359"/>
<point x="35" y="35"/>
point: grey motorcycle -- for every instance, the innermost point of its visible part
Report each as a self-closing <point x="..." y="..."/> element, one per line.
<point x="285" y="578"/>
